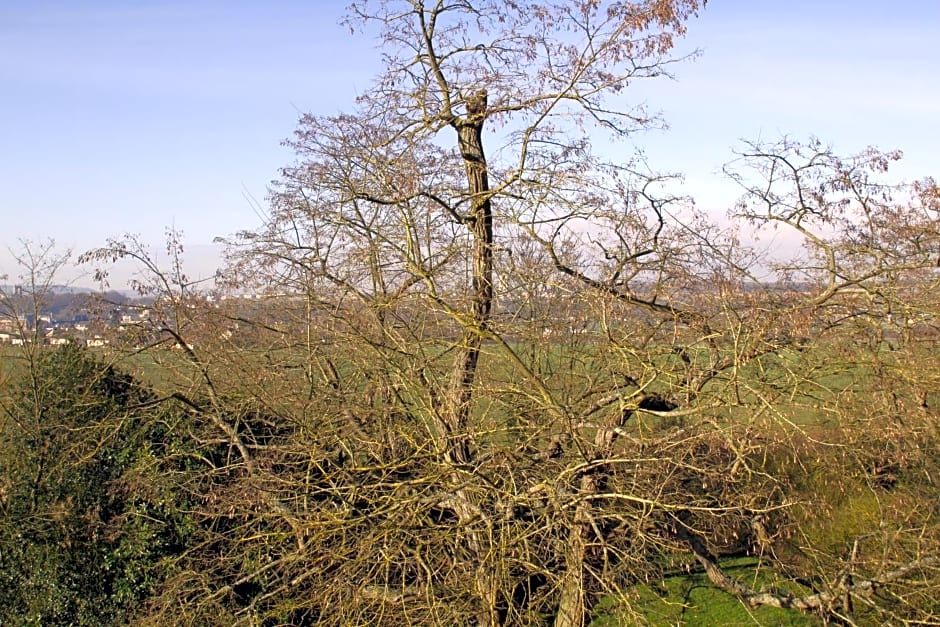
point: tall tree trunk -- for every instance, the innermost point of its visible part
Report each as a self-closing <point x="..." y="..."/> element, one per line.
<point x="480" y="222"/>
<point x="458" y="404"/>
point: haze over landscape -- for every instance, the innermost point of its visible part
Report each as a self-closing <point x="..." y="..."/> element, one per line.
<point x="134" y="117"/>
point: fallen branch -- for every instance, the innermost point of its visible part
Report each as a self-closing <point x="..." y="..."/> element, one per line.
<point x="812" y="602"/>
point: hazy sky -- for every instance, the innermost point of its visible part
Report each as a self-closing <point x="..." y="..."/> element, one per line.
<point x="134" y="115"/>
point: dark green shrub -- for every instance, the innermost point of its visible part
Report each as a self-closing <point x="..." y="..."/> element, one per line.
<point x="85" y="519"/>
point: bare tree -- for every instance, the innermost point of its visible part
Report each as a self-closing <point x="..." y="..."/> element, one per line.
<point x="494" y="378"/>
<point x="376" y="210"/>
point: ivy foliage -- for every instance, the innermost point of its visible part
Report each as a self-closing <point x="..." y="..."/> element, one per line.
<point x="87" y="520"/>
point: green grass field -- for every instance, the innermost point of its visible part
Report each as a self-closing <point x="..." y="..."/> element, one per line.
<point x="691" y="600"/>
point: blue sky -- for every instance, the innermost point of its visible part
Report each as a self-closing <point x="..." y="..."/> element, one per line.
<point x="133" y="115"/>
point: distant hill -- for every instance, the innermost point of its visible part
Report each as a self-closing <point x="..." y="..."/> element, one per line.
<point x="70" y="289"/>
